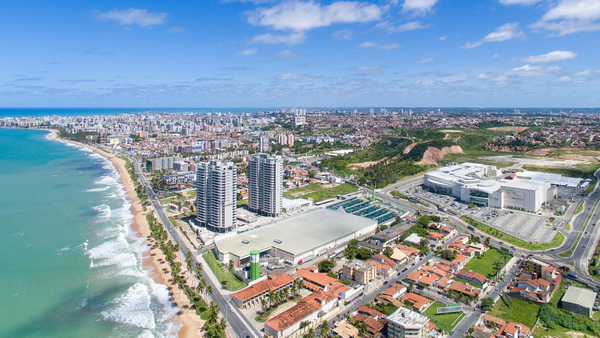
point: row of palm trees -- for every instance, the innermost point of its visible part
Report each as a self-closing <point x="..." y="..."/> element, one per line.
<point x="275" y="298"/>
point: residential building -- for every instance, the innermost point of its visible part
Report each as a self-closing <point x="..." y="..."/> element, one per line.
<point x="472" y="276"/>
<point x="306" y="310"/>
<point x="265" y="184"/>
<point x="418" y="303"/>
<point x="345" y="330"/>
<point x="263" y="144"/>
<point x="216" y="195"/>
<point x="404" y="323"/>
<point x="360" y="272"/>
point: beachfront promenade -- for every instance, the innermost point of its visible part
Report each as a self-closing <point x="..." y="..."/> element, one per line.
<point x="237" y="324"/>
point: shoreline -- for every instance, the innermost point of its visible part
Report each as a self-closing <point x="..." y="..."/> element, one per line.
<point x="153" y="261"/>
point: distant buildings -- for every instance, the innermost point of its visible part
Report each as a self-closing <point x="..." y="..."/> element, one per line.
<point x="299" y="116"/>
<point x="216" y="197"/>
<point x="404" y="323"/>
<point x="263" y="144"/>
<point x="160" y="163"/>
<point x="265" y="184"/>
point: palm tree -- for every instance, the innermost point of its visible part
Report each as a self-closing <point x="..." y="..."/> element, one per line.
<point x="271" y="298"/>
<point x="223" y="324"/>
<point x="231" y="265"/>
<point x="325" y="329"/>
<point x="188" y="261"/>
<point x="209" y="290"/>
<point x="263" y="304"/>
<point x="214" y="312"/>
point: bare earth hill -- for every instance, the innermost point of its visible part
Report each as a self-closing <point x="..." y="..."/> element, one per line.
<point x="433" y="155"/>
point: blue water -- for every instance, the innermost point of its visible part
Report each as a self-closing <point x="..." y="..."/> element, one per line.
<point x="29" y="112"/>
<point x="71" y="265"/>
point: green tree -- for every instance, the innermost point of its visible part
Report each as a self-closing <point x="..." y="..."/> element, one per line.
<point x="325" y="329"/>
<point x="326" y="265"/>
<point x="364" y="254"/>
<point x="487" y="304"/>
<point x="388" y="252"/>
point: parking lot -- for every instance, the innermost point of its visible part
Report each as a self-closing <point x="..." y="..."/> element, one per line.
<point x="528" y="227"/>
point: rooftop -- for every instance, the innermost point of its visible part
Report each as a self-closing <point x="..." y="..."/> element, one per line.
<point x="273" y="282"/>
<point x="580" y="296"/>
<point x="406" y="317"/>
<point x="296" y="235"/>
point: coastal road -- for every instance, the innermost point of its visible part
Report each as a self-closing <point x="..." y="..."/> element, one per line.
<point x="233" y="319"/>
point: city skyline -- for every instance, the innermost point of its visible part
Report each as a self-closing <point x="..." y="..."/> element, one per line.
<point x="261" y="53"/>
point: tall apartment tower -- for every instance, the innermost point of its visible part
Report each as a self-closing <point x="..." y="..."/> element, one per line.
<point x="265" y="184"/>
<point x="216" y="197"/>
<point x="263" y="144"/>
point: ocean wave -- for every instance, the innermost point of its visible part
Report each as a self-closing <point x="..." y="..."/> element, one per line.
<point x="113" y="252"/>
<point x="133" y="308"/>
<point x="107" y="180"/>
<point x="103" y="210"/>
<point x="98" y="189"/>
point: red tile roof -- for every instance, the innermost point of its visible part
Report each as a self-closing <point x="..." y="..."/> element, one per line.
<point x="272" y="283"/>
<point x="304" y="307"/>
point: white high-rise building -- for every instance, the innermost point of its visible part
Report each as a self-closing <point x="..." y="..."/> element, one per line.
<point x="216" y="198"/>
<point x="265" y="184"/>
<point x="263" y="144"/>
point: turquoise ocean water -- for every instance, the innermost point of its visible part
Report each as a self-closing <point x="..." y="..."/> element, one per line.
<point x="70" y="266"/>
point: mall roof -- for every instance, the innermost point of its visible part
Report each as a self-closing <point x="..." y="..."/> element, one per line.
<point x="296" y="235"/>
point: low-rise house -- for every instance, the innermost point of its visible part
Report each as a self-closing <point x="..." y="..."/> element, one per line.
<point x="414" y="239"/>
<point x="316" y="281"/>
<point x="502" y="328"/>
<point x="395" y="290"/>
<point x="419" y="303"/>
<point x="412" y="253"/>
<point x="435" y="238"/>
<point x="374" y="320"/>
<point x="345" y="330"/>
<point x="306" y="310"/>
<point x="464" y="289"/>
<point x="479" y="248"/>
<point x="473" y="277"/>
<point x="252" y="295"/>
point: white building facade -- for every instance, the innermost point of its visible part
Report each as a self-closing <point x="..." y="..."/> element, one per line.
<point x="216" y="197"/>
<point x="472" y="183"/>
<point x="265" y="184"/>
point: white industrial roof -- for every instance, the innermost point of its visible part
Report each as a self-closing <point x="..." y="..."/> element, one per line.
<point x="555" y="179"/>
<point x="580" y="296"/>
<point x="297" y="234"/>
<point x="407" y="318"/>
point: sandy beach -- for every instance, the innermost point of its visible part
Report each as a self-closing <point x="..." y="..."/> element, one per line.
<point x="154" y="260"/>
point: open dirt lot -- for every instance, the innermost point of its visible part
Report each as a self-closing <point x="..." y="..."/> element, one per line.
<point x="515" y="129"/>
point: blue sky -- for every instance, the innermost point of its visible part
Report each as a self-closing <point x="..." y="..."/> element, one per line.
<point x="298" y="53"/>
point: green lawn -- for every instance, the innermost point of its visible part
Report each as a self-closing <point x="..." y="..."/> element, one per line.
<point x="445" y="321"/>
<point x="521" y="311"/>
<point x="556" y="241"/>
<point x="485" y="264"/>
<point x="317" y="192"/>
<point x="227" y="279"/>
<point x="241" y="203"/>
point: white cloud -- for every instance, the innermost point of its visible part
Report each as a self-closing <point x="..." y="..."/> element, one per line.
<point x="570" y="16"/>
<point x="407" y="27"/>
<point x="505" y="32"/>
<point x="371" y="44"/>
<point x="344" y="34"/>
<point x="557" y="55"/>
<point x="588" y="72"/>
<point x="288" y="54"/>
<point x="133" y="16"/>
<point x="425" y="60"/>
<point x="294" y="78"/>
<point x="495" y="56"/>
<point x="519" y="2"/>
<point x="271" y="39"/>
<point x="247" y="52"/>
<point x="532" y="71"/>
<point x="177" y="29"/>
<point x="443" y="38"/>
<point x="420" y="6"/>
<point x="367" y="70"/>
<point x="300" y="16"/>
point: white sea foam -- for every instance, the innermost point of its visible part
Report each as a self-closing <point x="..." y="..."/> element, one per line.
<point x="113" y="252"/>
<point x="132" y="308"/>
<point x="98" y="189"/>
<point x="103" y="210"/>
<point x="106" y="180"/>
<point x="146" y="334"/>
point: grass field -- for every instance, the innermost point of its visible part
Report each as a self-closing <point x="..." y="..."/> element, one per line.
<point x="316" y="192"/>
<point x="227" y="279"/>
<point x="556" y="241"/>
<point x="445" y="321"/>
<point x="521" y="311"/>
<point x="583" y="170"/>
<point x="485" y="264"/>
